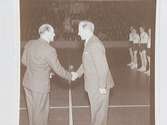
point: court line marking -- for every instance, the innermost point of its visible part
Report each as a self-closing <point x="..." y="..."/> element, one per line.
<point x="117" y="106"/>
<point x="70" y="108"/>
<point x="110" y="106"/>
<point x="51" y="107"/>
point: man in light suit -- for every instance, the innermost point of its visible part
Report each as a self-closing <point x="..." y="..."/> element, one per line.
<point x="39" y="58"/>
<point x="97" y="76"/>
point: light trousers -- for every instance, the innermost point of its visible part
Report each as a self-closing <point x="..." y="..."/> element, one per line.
<point x="99" y="107"/>
<point x="38" y="107"/>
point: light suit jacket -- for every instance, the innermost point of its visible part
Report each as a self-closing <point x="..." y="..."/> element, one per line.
<point x="39" y="58"/>
<point x="95" y="67"/>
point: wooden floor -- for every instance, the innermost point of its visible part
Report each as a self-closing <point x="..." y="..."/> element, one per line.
<point x="129" y="99"/>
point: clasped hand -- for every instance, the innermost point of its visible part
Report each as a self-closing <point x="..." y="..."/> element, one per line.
<point x="102" y="91"/>
<point x="74" y="76"/>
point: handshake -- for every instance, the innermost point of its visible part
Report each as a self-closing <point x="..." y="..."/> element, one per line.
<point x="74" y="74"/>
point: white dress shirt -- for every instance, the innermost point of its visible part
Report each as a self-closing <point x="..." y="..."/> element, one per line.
<point x="136" y="38"/>
<point x="143" y="37"/>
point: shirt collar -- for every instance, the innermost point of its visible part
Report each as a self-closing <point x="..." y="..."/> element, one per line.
<point x="87" y="40"/>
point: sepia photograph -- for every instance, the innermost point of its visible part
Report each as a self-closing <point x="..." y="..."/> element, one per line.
<point x="83" y="62"/>
<point x="87" y="62"/>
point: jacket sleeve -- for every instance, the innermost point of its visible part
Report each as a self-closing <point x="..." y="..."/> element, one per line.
<point x="24" y="56"/>
<point x="54" y="63"/>
<point x="80" y="70"/>
<point x="97" y="53"/>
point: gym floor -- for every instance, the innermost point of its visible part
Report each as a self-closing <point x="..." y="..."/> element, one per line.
<point x="129" y="99"/>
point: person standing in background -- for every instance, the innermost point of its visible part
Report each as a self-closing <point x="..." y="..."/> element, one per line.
<point x="149" y="51"/>
<point x="131" y="47"/>
<point x="143" y="48"/>
<point x="136" y="41"/>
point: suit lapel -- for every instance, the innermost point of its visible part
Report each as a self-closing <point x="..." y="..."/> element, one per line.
<point x="88" y="43"/>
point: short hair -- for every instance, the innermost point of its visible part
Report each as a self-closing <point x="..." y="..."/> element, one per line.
<point x="87" y="25"/>
<point x="131" y="28"/>
<point x="44" y="27"/>
<point x="142" y="27"/>
<point x="134" y="29"/>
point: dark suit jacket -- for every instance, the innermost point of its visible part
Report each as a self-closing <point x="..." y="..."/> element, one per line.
<point x="39" y="58"/>
<point x="95" y="67"/>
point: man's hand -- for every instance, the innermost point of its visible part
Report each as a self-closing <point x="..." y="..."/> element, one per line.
<point x="102" y="91"/>
<point x="74" y="76"/>
<point x="51" y="75"/>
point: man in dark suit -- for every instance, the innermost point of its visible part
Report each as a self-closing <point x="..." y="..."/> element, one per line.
<point x="39" y="58"/>
<point x="97" y="76"/>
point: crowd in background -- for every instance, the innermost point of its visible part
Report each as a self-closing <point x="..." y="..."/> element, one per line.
<point x="140" y="43"/>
